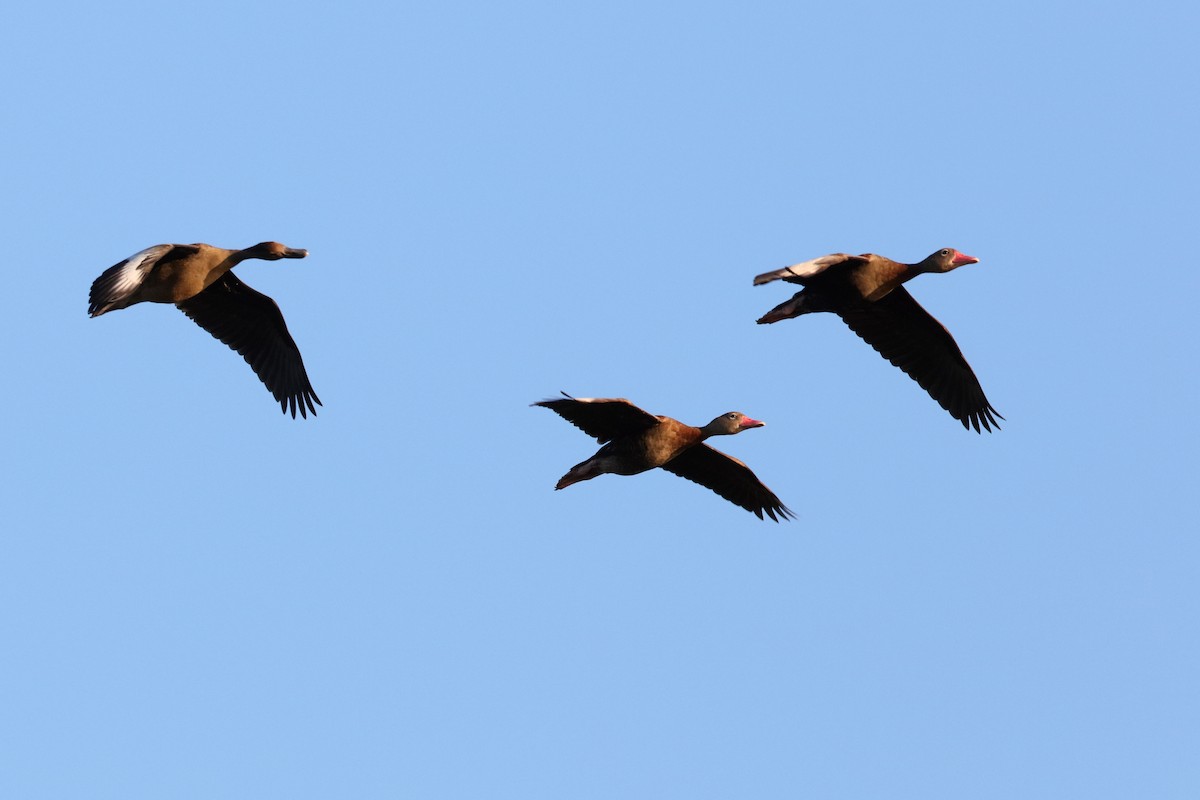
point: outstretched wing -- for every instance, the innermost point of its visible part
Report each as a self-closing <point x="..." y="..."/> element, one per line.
<point x="800" y="273"/>
<point x="729" y="478"/>
<point x="117" y="285"/>
<point x="251" y="323"/>
<point x="906" y="335"/>
<point x="603" y="418"/>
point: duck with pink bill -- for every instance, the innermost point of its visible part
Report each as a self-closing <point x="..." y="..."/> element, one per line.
<point x="866" y="292"/>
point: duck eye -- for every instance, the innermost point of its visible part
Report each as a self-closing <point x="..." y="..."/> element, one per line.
<point x="945" y="252"/>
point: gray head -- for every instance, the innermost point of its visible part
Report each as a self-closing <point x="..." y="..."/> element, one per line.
<point x="945" y="260"/>
<point x="730" y="423"/>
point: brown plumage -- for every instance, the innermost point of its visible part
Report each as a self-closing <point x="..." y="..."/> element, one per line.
<point x="866" y="292"/>
<point x="635" y="441"/>
<point x="197" y="279"/>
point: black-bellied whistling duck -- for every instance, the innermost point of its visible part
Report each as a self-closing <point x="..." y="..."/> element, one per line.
<point x="197" y="279"/>
<point x="635" y="441"/>
<point x="865" y="292"/>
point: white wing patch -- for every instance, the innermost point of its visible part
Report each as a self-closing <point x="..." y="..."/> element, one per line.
<point x="118" y="282"/>
<point x="136" y="268"/>
<point x="805" y="269"/>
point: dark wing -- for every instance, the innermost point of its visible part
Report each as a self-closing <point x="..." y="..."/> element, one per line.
<point x="118" y="284"/>
<point x="729" y="478"/>
<point x="906" y="335"/>
<point x="603" y="418"/>
<point x="251" y="323"/>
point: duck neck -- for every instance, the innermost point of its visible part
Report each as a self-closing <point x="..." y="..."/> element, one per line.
<point x="919" y="268"/>
<point x="238" y="256"/>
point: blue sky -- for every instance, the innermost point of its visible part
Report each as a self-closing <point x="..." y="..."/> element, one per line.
<point x="202" y="598"/>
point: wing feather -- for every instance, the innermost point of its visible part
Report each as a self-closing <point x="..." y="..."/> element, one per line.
<point x="910" y="338"/>
<point x="251" y="323"/>
<point x="118" y="284"/>
<point x="604" y="418"/>
<point x="800" y="273"/>
<point x="730" y="478"/>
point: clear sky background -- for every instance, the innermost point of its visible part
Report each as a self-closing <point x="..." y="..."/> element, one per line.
<point x="202" y="598"/>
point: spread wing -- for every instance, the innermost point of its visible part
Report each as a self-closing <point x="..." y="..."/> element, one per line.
<point x="906" y="335"/>
<point x="251" y="323"/>
<point x="800" y="273"/>
<point x="603" y="418"/>
<point x="729" y="478"/>
<point x="117" y="285"/>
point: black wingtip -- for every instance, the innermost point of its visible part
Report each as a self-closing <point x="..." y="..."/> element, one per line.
<point x="547" y="402"/>
<point x="302" y="403"/>
<point x="777" y="513"/>
<point x="985" y="418"/>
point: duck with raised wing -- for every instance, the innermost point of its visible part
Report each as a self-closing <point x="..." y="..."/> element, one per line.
<point x="198" y="280"/>
<point x="635" y="441"/>
<point x="866" y="292"/>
